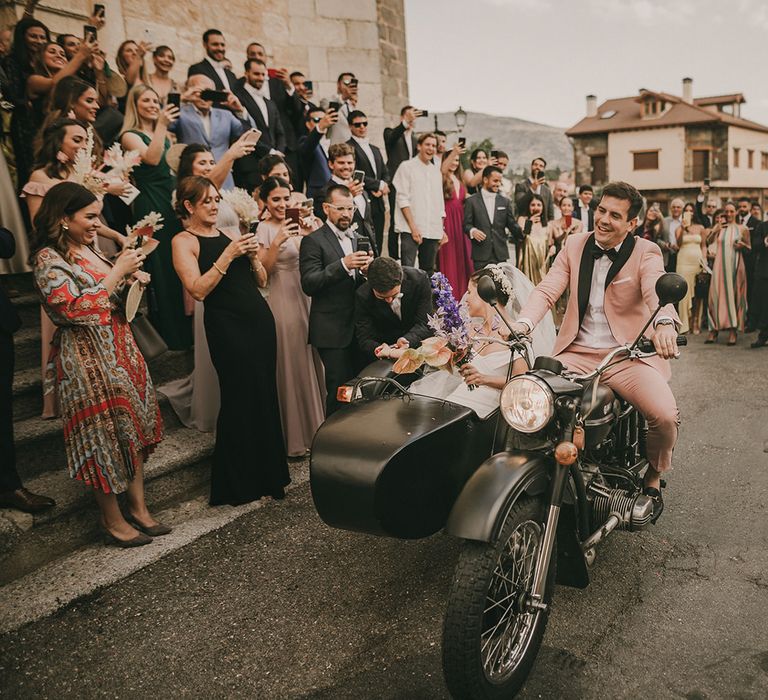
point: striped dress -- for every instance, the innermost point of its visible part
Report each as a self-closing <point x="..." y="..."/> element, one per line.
<point x="106" y="399"/>
<point x="728" y="290"/>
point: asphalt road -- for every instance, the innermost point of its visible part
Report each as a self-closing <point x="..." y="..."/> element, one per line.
<point x="276" y="605"/>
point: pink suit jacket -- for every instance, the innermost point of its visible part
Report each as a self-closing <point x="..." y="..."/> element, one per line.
<point x="630" y="295"/>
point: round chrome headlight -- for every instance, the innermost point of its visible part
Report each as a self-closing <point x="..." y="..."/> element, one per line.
<point x="527" y="403"/>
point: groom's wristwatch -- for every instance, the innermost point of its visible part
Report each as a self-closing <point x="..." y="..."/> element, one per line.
<point x="664" y="322"/>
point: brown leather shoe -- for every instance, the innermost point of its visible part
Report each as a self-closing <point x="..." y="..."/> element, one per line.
<point x="26" y="501"/>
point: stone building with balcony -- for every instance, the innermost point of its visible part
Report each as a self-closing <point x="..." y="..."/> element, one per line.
<point x="667" y="145"/>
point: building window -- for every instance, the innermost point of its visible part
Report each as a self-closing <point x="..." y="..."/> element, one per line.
<point x="646" y="160"/>
<point x="736" y="152"/>
<point x="599" y="170"/>
<point x="701" y="165"/>
<point x="750" y="159"/>
<point x="763" y="160"/>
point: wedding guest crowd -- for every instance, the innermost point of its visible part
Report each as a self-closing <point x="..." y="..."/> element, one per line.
<point x="256" y="216"/>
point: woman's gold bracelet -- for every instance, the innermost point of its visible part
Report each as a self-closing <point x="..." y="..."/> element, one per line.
<point x="219" y="270"/>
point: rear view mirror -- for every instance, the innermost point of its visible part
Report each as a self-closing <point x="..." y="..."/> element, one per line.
<point x="486" y="288"/>
<point x="670" y="288"/>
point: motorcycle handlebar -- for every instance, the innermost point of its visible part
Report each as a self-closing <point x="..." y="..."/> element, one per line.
<point x="646" y="345"/>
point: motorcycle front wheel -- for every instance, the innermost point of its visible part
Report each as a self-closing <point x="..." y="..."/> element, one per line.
<point x="490" y="637"/>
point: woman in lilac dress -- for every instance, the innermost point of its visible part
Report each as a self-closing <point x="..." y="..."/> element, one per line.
<point x="300" y="378"/>
<point x="455" y="254"/>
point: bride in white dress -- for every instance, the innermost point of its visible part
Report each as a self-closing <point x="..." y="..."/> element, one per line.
<point x="487" y="371"/>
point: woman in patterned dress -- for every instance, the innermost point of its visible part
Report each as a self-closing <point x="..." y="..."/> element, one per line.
<point x="728" y="288"/>
<point x="111" y="418"/>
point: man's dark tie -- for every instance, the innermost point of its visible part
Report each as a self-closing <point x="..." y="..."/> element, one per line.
<point x="598" y="252"/>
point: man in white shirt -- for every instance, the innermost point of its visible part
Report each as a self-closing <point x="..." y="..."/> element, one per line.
<point x="611" y="275"/>
<point x="420" y="206"/>
<point x="213" y="64"/>
<point x="673" y="222"/>
<point x="535" y="184"/>
<point x="561" y="190"/>
<point x="346" y="96"/>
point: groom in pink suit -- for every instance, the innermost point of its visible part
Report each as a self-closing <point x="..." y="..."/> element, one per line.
<point x="612" y="275"/>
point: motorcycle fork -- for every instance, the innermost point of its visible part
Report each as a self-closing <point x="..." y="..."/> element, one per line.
<point x="566" y="453"/>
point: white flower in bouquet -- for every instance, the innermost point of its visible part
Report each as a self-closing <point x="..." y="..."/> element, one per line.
<point x="83" y="172"/>
<point x="242" y="204"/>
<point x="122" y="163"/>
<point x="145" y="229"/>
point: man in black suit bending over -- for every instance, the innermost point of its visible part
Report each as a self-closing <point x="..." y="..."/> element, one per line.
<point x="331" y="270"/>
<point x="368" y="158"/>
<point x="12" y="492"/>
<point x="213" y="63"/>
<point x="488" y="216"/>
<point x="391" y="309"/>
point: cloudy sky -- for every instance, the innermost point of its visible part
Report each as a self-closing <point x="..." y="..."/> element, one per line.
<point x="538" y="59"/>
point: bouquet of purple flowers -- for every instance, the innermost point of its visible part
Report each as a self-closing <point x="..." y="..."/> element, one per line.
<point x="451" y="345"/>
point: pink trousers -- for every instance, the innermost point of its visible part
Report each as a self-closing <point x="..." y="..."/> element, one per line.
<point x="645" y="388"/>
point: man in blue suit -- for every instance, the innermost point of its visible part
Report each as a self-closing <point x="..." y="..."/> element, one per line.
<point x="313" y="150"/>
<point x="216" y="129"/>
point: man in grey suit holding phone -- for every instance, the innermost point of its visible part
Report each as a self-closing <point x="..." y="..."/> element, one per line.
<point x="489" y="221"/>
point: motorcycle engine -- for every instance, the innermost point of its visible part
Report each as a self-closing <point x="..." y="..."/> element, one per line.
<point x="633" y="509"/>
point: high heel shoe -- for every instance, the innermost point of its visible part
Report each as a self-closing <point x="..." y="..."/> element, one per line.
<point x="152" y="530"/>
<point x="139" y="541"/>
<point x="732" y="339"/>
<point x="711" y="338"/>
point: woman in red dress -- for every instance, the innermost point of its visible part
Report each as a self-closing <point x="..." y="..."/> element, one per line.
<point x="111" y="418"/>
<point x="455" y="254"/>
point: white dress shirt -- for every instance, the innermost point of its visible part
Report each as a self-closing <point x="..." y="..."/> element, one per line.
<point x="489" y="199"/>
<point x="258" y="98"/>
<point x="408" y="139"/>
<point x="219" y="67"/>
<point x="419" y="186"/>
<point x="595" y="331"/>
<point x="584" y="215"/>
<point x="396" y="306"/>
<point x="366" y="148"/>
<point x="672" y="226"/>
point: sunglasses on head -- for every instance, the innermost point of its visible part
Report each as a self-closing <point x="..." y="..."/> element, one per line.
<point x="358" y="124"/>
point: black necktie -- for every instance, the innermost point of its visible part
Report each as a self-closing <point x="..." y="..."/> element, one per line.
<point x="598" y="252"/>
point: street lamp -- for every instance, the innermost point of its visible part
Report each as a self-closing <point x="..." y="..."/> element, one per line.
<point x="461" y="121"/>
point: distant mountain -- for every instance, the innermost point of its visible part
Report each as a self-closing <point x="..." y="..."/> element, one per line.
<point x="522" y="140"/>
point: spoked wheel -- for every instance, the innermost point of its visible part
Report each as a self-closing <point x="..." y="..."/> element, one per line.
<point x="490" y="636"/>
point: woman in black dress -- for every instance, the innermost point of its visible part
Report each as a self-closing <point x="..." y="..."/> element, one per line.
<point x="249" y="458"/>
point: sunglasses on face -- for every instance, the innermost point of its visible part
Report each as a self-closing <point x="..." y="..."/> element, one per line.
<point x="351" y="82"/>
<point x="359" y="124"/>
<point x="316" y="120"/>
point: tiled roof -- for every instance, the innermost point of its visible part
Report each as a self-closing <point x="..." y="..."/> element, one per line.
<point x="628" y="116"/>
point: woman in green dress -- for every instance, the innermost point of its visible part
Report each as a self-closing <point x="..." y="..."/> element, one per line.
<point x="145" y="130"/>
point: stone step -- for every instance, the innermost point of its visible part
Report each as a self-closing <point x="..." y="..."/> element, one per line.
<point x="28" y="307"/>
<point x="40" y="442"/>
<point x="179" y="469"/>
<point x="27" y="383"/>
<point x="27" y="347"/>
<point x="91" y="567"/>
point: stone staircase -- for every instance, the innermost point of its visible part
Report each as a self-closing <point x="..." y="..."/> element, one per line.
<point x="177" y="473"/>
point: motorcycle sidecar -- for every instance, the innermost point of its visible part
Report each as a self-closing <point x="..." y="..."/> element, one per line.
<point x="394" y="465"/>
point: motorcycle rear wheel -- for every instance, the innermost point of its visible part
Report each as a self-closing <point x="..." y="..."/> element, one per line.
<point x="490" y="640"/>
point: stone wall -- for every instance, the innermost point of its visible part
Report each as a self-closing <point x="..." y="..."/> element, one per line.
<point x="584" y="147"/>
<point x="322" y="38"/>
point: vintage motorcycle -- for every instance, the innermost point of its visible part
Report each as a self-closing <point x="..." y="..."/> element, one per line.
<point x="532" y="490"/>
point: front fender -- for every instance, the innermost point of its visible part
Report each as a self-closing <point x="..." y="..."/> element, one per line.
<point x="499" y="481"/>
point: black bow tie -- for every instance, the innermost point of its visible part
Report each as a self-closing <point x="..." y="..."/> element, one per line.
<point x="598" y="252"/>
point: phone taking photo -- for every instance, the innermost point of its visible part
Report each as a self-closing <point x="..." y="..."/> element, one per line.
<point x="293" y="216"/>
<point x="174" y="99"/>
<point x="363" y="245"/>
<point x="215" y="96"/>
<point x="358" y="176"/>
<point x="89" y="33"/>
<point x="252" y="136"/>
<point x="99" y="10"/>
<point x="462" y="141"/>
<point x="335" y="106"/>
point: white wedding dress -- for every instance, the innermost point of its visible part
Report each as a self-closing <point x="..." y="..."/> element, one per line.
<point x="484" y="400"/>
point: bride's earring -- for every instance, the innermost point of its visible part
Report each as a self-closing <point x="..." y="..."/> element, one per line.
<point x="64" y="227"/>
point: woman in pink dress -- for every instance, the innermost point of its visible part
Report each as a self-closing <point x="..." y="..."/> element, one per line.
<point x="455" y="254"/>
<point x="728" y="288"/>
<point x="300" y="378"/>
